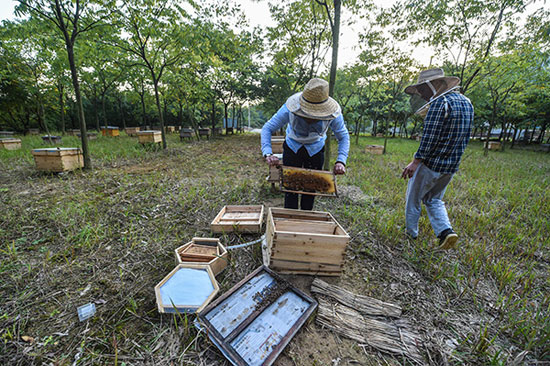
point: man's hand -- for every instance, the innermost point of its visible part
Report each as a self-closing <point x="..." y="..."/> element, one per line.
<point x="272" y="160"/>
<point x="409" y="170"/>
<point x="339" y="168"/>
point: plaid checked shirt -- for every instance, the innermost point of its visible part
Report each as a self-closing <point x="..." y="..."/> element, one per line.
<point x="446" y="133"/>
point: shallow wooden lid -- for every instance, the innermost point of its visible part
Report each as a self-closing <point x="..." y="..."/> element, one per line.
<point x="57" y="151"/>
<point x="149" y="132"/>
<point x="8" y="139"/>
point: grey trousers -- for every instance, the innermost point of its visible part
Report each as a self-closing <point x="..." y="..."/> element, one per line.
<point x="428" y="187"/>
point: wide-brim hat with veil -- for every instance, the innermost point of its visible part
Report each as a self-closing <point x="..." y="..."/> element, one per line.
<point x="314" y="102"/>
<point x="432" y="75"/>
<point x="419" y="105"/>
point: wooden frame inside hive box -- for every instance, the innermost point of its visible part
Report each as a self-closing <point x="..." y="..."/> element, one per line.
<point x="304" y="242"/>
<point x="207" y="251"/>
<point x="110" y="131"/>
<point x="244" y="219"/>
<point x="254" y="321"/>
<point x="374" y="149"/>
<point x="308" y="181"/>
<point x="188" y="288"/>
<point x="58" y="159"/>
<point x="149" y="137"/>
<point x="10" y="144"/>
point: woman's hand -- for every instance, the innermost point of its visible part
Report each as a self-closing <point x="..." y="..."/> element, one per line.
<point x="272" y="160"/>
<point x="339" y="169"/>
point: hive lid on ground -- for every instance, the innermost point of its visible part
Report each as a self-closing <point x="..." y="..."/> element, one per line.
<point x="308" y="181"/>
<point x="187" y="289"/>
<point x="254" y="321"/>
<point x="57" y="151"/>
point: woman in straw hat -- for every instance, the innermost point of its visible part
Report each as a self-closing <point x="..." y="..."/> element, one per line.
<point x="308" y="115"/>
<point x="448" y="117"/>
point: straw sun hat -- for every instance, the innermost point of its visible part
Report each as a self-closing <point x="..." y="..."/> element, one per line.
<point x="432" y="75"/>
<point x="314" y="101"/>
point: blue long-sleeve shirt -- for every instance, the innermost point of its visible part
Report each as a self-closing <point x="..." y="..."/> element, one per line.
<point x="446" y="133"/>
<point x="282" y="117"/>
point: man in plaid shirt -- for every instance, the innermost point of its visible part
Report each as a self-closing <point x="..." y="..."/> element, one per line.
<point x="447" y="124"/>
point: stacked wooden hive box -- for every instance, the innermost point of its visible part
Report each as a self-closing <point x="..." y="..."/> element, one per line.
<point x="304" y="242"/>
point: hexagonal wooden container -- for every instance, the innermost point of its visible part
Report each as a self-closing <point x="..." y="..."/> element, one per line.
<point x="188" y="288"/>
<point x="203" y="251"/>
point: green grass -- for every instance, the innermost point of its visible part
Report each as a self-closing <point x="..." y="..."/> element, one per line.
<point x="108" y="236"/>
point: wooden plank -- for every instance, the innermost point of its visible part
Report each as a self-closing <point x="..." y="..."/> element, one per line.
<point x="297" y="226"/>
<point x="309" y="257"/>
<point x="304" y="266"/>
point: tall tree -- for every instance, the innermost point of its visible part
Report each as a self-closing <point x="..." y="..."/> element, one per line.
<point x="71" y="19"/>
<point x="155" y="34"/>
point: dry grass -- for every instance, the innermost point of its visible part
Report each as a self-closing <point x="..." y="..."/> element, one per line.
<point x="107" y="236"/>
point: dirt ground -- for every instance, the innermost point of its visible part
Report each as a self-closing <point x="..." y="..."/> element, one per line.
<point x="107" y="236"/>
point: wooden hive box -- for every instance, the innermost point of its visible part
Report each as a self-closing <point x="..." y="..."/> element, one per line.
<point x="110" y="131"/>
<point x="170" y="129"/>
<point x="50" y="139"/>
<point x="10" y="144"/>
<point x="73" y="132"/>
<point x="254" y="321"/>
<point x="91" y="135"/>
<point x="277" y="144"/>
<point x="59" y="159"/>
<point x="132" y="131"/>
<point x="34" y="131"/>
<point x="304" y="242"/>
<point x="204" y="132"/>
<point x="494" y="145"/>
<point x="244" y="219"/>
<point x="187" y="289"/>
<point x="206" y="251"/>
<point x="374" y="149"/>
<point x="186" y="133"/>
<point x="149" y="137"/>
<point x="7" y="133"/>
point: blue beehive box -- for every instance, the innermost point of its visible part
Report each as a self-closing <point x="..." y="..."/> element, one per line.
<point x="187" y="289"/>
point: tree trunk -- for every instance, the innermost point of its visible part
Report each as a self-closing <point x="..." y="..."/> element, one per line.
<point x="143" y="115"/>
<point x="81" y="118"/>
<point x="225" y="106"/>
<point x="333" y="69"/>
<point x="213" y="116"/>
<point x="103" y="110"/>
<point x="514" y="137"/>
<point x="61" y="108"/>
<point x="122" y="113"/>
<point x="156" y="86"/>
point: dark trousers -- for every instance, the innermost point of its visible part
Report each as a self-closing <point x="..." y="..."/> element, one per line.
<point x="301" y="159"/>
